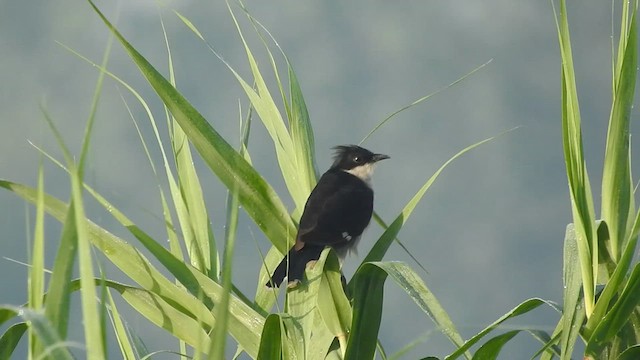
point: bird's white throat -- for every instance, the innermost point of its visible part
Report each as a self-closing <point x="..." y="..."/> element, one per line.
<point x="364" y="172"/>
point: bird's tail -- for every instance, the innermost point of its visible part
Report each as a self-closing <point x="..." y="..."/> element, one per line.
<point x="281" y="271"/>
<point x="293" y="265"/>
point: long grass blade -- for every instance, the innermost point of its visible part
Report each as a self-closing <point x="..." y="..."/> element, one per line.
<point x="522" y="308"/>
<point x="256" y="196"/>
<point x="271" y="339"/>
<point x="122" y="337"/>
<point x="11" y="337"/>
<point x="414" y="286"/>
<point x="617" y="186"/>
<point x="36" y="270"/>
<point x="424" y="98"/>
<point x="333" y="304"/>
<point x="573" y="313"/>
<point x="300" y="127"/>
<point x="368" y="293"/>
<point x="578" y="179"/>
<point x="202" y="245"/>
<point x="491" y="349"/>
<point x="245" y="324"/>
<point x="618" y="316"/>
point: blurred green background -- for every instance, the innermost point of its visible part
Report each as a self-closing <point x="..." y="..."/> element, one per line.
<point x="489" y="231"/>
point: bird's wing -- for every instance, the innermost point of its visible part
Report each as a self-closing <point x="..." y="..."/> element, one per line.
<point x="339" y="206"/>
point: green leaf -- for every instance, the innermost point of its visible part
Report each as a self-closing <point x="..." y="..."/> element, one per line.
<point x="523" y="308"/>
<point x="491" y="349"/>
<point x="256" y="196"/>
<point x="10" y="339"/>
<point x="413" y="285"/>
<point x="45" y="331"/>
<point x="36" y="271"/>
<point x="618" y="316"/>
<point x="245" y="323"/>
<point x="617" y="186"/>
<point x="268" y="112"/>
<point x="300" y="128"/>
<point x="126" y="349"/>
<point x="632" y="353"/>
<point x="578" y="179"/>
<point x="619" y="208"/>
<point x="271" y="339"/>
<point x="573" y="312"/>
<point x="165" y="315"/>
<point x="333" y="304"/>
<point x="367" y="311"/>
<point x="301" y="305"/>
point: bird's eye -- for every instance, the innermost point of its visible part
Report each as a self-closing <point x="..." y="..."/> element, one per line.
<point x="356" y="159"/>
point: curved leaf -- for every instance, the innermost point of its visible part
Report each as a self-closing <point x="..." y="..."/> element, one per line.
<point x="523" y="308"/>
<point x="491" y="349"/>
<point x="256" y="196"/>
<point x="10" y="339"/>
<point x="245" y="324"/>
<point x="271" y="339"/>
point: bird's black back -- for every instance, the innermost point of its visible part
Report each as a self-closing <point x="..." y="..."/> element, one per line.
<point x="340" y="204"/>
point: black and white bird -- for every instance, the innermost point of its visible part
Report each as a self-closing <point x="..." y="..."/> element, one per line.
<point x="336" y="213"/>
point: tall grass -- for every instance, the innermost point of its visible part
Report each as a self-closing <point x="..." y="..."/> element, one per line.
<point x="199" y="304"/>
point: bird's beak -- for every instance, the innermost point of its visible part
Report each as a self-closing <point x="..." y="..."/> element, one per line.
<point x="378" y="157"/>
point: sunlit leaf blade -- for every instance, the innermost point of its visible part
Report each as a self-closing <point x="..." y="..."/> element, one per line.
<point x="322" y="346"/>
<point x="523" y="308"/>
<point x="578" y="179"/>
<point x="256" y="196"/>
<point x="573" y="312"/>
<point x="620" y="210"/>
<point x="160" y="312"/>
<point x="199" y="240"/>
<point x="219" y="335"/>
<point x="202" y="246"/>
<point x="491" y="349"/>
<point x="618" y="316"/>
<point x="271" y="339"/>
<point x="92" y="324"/>
<point x="126" y="348"/>
<point x="300" y="128"/>
<point x="301" y="305"/>
<point x="617" y="187"/>
<point x="302" y="134"/>
<point x="268" y="112"/>
<point x="58" y="298"/>
<point x="164" y="315"/>
<point x="245" y="324"/>
<point x="36" y="271"/>
<point x="10" y="339"/>
<point x="333" y="304"/>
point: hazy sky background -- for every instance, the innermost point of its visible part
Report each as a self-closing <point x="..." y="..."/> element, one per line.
<point x="489" y="231"/>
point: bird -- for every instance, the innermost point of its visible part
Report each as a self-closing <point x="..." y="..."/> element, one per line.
<point x="336" y="213"/>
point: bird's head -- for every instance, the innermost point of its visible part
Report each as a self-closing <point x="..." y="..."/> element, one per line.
<point x="356" y="160"/>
